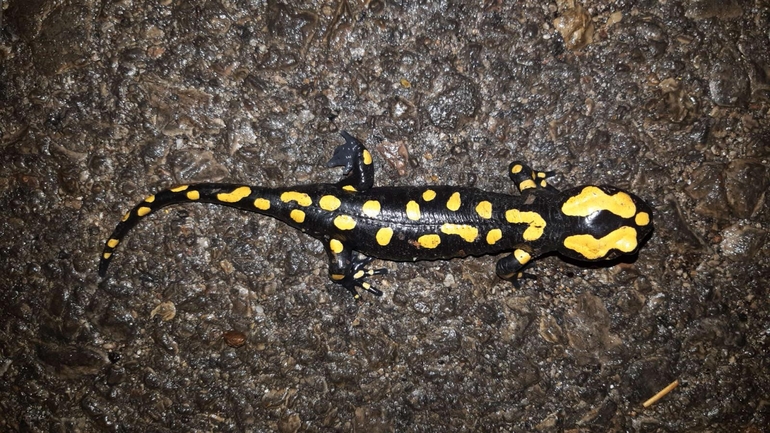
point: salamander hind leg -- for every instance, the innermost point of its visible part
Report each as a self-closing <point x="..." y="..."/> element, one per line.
<point x="527" y="178"/>
<point x="510" y="267"/>
<point x="359" y="170"/>
<point x="348" y="269"/>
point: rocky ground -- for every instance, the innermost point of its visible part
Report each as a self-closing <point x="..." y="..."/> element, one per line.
<point x="212" y="319"/>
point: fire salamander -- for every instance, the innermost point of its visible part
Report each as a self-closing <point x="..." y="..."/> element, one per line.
<point x="357" y="222"/>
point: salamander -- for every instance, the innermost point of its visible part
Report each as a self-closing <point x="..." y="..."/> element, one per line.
<point x="357" y="222"/>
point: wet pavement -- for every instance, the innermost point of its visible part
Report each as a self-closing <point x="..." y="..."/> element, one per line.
<point x="211" y="319"/>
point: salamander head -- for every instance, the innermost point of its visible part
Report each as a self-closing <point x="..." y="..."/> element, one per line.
<point x="602" y="222"/>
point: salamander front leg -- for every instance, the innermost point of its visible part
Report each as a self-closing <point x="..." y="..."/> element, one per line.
<point x="509" y="268"/>
<point x="349" y="270"/>
<point x="526" y="178"/>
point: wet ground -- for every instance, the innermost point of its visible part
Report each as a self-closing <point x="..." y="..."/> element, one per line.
<point x="212" y="319"/>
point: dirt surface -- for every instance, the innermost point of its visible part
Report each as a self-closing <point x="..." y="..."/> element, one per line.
<point x="212" y="319"/>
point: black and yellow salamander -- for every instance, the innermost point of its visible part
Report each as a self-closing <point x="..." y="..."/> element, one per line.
<point x="357" y="222"/>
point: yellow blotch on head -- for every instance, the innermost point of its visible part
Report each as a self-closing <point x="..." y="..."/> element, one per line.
<point x="150" y="199"/>
<point x="493" y="236"/>
<point x="142" y="211"/>
<point x="516" y="168"/>
<point x="522" y="256"/>
<point x="413" y="210"/>
<point x="429" y="241"/>
<point x="350" y="188"/>
<point x="468" y="233"/>
<point x="367" y="157"/>
<point x="193" y="195"/>
<point x="179" y="188"/>
<point x="454" y="202"/>
<point x="344" y="222"/>
<point x="262" y="204"/>
<point x="622" y="239"/>
<point x="535" y="221"/>
<point x="297" y="215"/>
<point x="112" y="243"/>
<point x="329" y="203"/>
<point x="335" y="246"/>
<point x="301" y="198"/>
<point x="371" y="208"/>
<point x="384" y="235"/>
<point x="592" y="199"/>
<point x="428" y="195"/>
<point x="642" y="219"/>
<point x="484" y="209"/>
<point x="235" y="196"/>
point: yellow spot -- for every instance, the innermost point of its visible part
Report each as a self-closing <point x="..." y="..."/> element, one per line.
<point x="142" y="211"/>
<point x="592" y="199"/>
<point x="337" y="277"/>
<point x="179" y="188"/>
<point x="193" y="195"/>
<point x="484" y="209"/>
<point x="150" y="199"/>
<point x="429" y="241"/>
<point x="335" y="246"/>
<point x="413" y="210"/>
<point x="543" y="183"/>
<point x="350" y="188"/>
<point x="344" y="222"/>
<point x="367" y="157"/>
<point x="535" y="221"/>
<point x="371" y="208"/>
<point x="493" y="236"/>
<point x="358" y="275"/>
<point x="235" y="196"/>
<point x="428" y="195"/>
<point x="516" y="168"/>
<point x="468" y="233"/>
<point x="301" y="198"/>
<point x="112" y="243"/>
<point x="527" y="184"/>
<point x="262" y="204"/>
<point x="541" y="175"/>
<point x="106" y="255"/>
<point x="623" y="239"/>
<point x="383" y="236"/>
<point x="329" y="202"/>
<point x="454" y="202"/>
<point x="522" y="256"/>
<point x="297" y="215"/>
<point x="126" y="216"/>
<point x="642" y="219"/>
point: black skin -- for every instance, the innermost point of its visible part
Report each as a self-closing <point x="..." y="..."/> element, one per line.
<point x="350" y="231"/>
